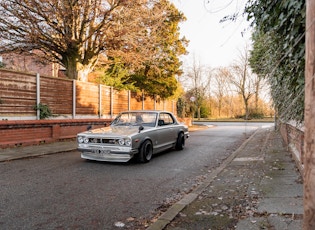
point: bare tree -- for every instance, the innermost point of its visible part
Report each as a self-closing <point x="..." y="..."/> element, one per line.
<point x="75" y="32"/>
<point x="221" y="87"/>
<point x="244" y="80"/>
<point x="200" y="78"/>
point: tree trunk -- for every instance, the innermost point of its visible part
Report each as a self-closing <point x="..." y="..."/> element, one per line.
<point x="245" y="100"/>
<point x="219" y="107"/>
<point x="257" y="95"/>
<point x="83" y="74"/>
<point x="76" y="70"/>
<point x="71" y="69"/>
<point x="246" y="109"/>
<point x="309" y="158"/>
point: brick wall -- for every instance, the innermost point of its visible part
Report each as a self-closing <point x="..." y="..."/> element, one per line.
<point x="23" y="133"/>
<point x="293" y="137"/>
<point x="29" y="63"/>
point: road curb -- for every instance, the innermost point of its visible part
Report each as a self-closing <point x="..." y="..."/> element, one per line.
<point x="174" y="210"/>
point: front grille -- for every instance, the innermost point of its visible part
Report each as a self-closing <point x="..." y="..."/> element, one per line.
<point x="103" y="141"/>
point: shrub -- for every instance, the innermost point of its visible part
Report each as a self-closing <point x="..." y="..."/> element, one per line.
<point x="44" y="111"/>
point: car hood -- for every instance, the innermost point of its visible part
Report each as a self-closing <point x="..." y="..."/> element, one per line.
<point x="116" y="131"/>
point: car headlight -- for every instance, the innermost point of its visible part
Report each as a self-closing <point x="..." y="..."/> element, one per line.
<point x="121" y="141"/>
<point x="125" y="141"/>
<point x="80" y="139"/>
<point x="128" y="142"/>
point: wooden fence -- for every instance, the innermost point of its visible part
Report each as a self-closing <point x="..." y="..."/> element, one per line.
<point x="20" y="92"/>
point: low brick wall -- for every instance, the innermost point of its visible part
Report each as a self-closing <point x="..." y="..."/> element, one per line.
<point x="293" y="137"/>
<point x="32" y="132"/>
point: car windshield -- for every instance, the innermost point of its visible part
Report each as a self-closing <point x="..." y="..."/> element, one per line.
<point x="136" y="119"/>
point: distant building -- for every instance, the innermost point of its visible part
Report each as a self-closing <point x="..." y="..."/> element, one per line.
<point x="30" y="63"/>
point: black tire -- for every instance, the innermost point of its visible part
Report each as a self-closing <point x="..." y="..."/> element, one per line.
<point x="180" y="143"/>
<point x="146" y="152"/>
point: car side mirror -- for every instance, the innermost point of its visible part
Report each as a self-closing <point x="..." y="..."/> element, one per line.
<point x="141" y="128"/>
<point x="89" y="127"/>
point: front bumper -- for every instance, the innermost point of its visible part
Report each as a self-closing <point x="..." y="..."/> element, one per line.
<point x="104" y="153"/>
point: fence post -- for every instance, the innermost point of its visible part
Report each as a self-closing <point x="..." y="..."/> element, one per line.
<point x="154" y="102"/>
<point x="100" y="101"/>
<point x="74" y="98"/>
<point x="37" y="96"/>
<point x="142" y="100"/>
<point x="129" y="96"/>
<point x="111" y="101"/>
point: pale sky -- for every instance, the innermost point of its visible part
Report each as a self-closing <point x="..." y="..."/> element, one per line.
<point x="212" y="43"/>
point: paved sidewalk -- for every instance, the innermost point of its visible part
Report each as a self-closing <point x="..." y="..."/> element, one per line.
<point x="36" y="150"/>
<point x="257" y="187"/>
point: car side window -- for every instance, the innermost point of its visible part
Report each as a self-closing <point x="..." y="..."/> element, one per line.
<point x="165" y="119"/>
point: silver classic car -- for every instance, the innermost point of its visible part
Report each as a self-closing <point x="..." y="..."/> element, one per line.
<point x="138" y="134"/>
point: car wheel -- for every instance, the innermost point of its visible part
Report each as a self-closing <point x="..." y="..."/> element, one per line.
<point x="146" y="151"/>
<point x="180" y="143"/>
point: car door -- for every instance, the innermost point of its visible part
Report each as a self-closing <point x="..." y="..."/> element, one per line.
<point x="166" y="131"/>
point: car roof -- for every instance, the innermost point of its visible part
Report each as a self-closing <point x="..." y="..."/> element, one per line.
<point x="147" y="111"/>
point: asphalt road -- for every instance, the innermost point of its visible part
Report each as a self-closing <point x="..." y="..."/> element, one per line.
<point x="63" y="191"/>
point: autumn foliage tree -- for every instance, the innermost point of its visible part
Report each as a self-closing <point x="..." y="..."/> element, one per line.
<point x="153" y="63"/>
<point x="157" y="74"/>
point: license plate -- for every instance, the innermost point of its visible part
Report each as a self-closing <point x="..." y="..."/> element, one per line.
<point x="101" y="151"/>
